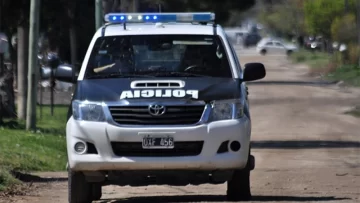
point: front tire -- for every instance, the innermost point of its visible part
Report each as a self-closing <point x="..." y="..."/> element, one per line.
<point x="96" y="191"/>
<point x="80" y="191"/>
<point x="263" y="52"/>
<point x="238" y="187"/>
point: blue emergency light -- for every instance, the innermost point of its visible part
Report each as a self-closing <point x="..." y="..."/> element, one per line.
<point x="158" y="17"/>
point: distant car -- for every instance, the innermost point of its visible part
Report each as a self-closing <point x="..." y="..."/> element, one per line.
<point x="314" y="43"/>
<point x="273" y="46"/>
<point x="236" y="35"/>
<point x="251" y="39"/>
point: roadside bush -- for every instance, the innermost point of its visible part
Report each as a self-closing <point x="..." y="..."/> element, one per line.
<point x="315" y="58"/>
<point x="353" y="53"/>
<point x="350" y="74"/>
<point x="6" y="179"/>
<point x="343" y="29"/>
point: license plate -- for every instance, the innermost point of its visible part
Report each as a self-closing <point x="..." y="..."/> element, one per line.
<point x="158" y="142"/>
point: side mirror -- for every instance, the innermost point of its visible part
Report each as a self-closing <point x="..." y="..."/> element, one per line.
<point x="66" y="73"/>
<point x="254" y="71"/>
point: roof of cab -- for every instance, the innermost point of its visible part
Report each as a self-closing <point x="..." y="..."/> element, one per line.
<point x="158" y="29"/>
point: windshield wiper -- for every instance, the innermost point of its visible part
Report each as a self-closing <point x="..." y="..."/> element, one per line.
<point x="118" y="75"/>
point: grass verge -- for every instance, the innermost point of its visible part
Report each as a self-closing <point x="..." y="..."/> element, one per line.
<point x="322" y="64"/>
<point x="354" y="112"/>
<point x="24" y="151"/>
<point x="350" y="74"/>
<point x="313" y="59"/>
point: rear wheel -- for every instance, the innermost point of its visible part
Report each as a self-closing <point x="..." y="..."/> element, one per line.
<point x="238" y="187"/>
<point x="289" y="52"/>
<point x="80" y="191"/>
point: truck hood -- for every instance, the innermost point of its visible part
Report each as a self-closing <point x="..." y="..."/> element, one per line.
<point x="120" y="89"/>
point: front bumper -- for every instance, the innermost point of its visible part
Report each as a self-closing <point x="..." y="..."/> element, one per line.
<point x="102" y="135"/>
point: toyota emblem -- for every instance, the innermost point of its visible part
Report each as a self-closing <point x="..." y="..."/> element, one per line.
<point x="156" y="110"/>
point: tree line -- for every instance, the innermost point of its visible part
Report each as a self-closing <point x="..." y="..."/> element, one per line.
<point x="334" y="20"/>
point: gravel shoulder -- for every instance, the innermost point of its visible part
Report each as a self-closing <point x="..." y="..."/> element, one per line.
<point x="306" y="148"/>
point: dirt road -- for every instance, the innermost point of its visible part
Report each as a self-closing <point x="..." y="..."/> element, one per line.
<point x="306" y="148"/>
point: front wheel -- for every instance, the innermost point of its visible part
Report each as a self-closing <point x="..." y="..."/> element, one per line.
<point x="96" y="191"/>
<point x="238" y="187"/>
<point x="263" y="52"/>
<point x="80" y="191"/>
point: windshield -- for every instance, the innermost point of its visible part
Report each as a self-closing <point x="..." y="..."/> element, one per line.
<point x="159" y="55"/>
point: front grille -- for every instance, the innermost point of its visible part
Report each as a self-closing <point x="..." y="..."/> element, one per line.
<point x="134" y="149"/>
<point x="174" y="115"/>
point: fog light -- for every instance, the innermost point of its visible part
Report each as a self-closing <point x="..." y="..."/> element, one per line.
<point x="235" y="146"/>
<point x="80" y="147"/>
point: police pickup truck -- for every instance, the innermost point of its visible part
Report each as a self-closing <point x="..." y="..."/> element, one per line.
<point x="160" y="99"/>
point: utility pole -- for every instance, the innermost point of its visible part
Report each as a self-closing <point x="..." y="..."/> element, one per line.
<point x="135" y="5"/>
<point x="33" y="65"/>
<point x="98" y="14"/>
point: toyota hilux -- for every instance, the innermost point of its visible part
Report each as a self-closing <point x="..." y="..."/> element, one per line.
<point x="161" y="98"/>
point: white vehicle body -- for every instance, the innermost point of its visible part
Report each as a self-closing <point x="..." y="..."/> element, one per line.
<point x="273" y="46"/>
<point x="105" y="148"/>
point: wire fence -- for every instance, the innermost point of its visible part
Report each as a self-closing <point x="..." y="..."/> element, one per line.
<point x="62" y="93"/>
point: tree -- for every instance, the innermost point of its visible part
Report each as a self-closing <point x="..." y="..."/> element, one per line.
<point x="284" y="17"/>
<point x="16" y="13"/>
<point x="72" y="10"/>
<point x="320" y="14"/>
<point x="343" y="29"/>
<point x="22" y="60"/>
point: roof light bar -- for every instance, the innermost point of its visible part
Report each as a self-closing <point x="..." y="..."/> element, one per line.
<point x="158" y="17"/>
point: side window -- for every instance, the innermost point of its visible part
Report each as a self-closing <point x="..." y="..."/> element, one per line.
<point x="278" y="44"/>
<point x="269" y="44"/>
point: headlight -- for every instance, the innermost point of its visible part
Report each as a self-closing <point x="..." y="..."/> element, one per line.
<point x="226" y="109"/>
<point x="87" y="111"/>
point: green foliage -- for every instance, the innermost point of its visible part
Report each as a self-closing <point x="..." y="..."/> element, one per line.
<point x="353" y="53"/>
<point x="350" y="74"/>
<point x="313" y="59"/>
<point x="329" y="65"/>
<point x="6" y="179"/>
<point x="320" y="14"/>
<point x="343" y="29"/>
<point x="43" y="150"/>
<point x="285" y="17"/>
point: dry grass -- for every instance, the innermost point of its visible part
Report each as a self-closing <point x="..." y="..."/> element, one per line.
<point x="323" y="71"/>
